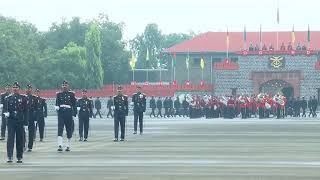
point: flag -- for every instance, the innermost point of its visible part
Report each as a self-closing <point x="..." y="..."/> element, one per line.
<point x="174" y="59"/>
<point x="147" y="56"/>
<point x="278" y="17"/>
<point x="293" y="36"/>
<point x="187" y="61"/>
<point x="202" y="63"/>
<point x="260" y="37"/>
<point x="133" y="61"/>
<point x="245" y="35"/>
<point x="309" y="38"/>
<point x="227" y="39"/>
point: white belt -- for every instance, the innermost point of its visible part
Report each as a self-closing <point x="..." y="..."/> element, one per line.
<point x="65" y="106"/>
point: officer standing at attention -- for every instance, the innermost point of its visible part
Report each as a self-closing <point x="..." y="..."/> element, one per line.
<point x="15" y="109"/>
<point x="4" y="119"/>
<point x="139" y="107"/>
<point x="66" y="107"/>
<point x="120" y="113"/>
<point x="84" y="107"/>
<point x="41" y="113"/>
<point x="31" y="110"/>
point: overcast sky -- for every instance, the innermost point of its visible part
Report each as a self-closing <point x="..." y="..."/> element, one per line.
<point x="172" y="15"/>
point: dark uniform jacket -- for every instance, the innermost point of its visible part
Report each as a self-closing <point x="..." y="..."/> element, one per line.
<point x="32" y="106"/>
<point x="153" y="104"/>
<point x="3" y="97"/>
<point x="109" y="103"/>
<point x="159" y="104"/>
<point x="67" y="98"/>
<point x="41" y="108"/>
<point x="16" y="106"/>
<point x="97" y="104"/>
<point x="139" y="102"/>
<point x="177" y="104"/>
<point x="85" y="106"/>
<point x="120" y="105"/>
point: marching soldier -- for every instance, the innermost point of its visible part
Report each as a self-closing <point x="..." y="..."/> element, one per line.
<point x="4" y="119"/>
<point x="41" y="113"/>
<point x="84" y="106"/>
<point x="185" y="106"/>
<point x="120" y="113"/>
<point x="170" y="103"/>
<point x="109" y="106"/>
<point x="139" y="107"/>
<point x="15" y="109"/>
<point x="177" y="106"/>
<point x="97" y="105"/>
<point x="166" y="107"/>
<point x="153" y="106"/>
<point x="159" y="106"/>
<point x="31" y="116"/>
<point x="66" y="107"/>
<point x="304" y="106"/>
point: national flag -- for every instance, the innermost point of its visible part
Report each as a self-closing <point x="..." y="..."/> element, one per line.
<point x="293" y="36"/>
<point x="187" y="60"/>
<point x="174" y="59"/>
<point x="202" y="63"/>
<point x="227" y="39"/>
<point x="309" y="36"/>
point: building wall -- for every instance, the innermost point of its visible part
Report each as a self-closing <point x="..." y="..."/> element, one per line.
<point x="240" y="79"/>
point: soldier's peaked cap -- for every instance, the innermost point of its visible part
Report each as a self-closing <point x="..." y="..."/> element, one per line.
<point x="16" y="84"/>
<point x="84" y="90"/>
<point x="65" y="82"/>
<point x="119" y="88"/>
<point x="29" y="86"/>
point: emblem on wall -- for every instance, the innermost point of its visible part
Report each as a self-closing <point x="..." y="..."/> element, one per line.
<point x="276" y="62"/>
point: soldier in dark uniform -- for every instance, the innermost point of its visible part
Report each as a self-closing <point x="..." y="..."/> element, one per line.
<point x="166" y="107"/>
<point x="15" y="109"/>
<point x="4" y="119"/>
<point x="120" y="112"/>
<point x="97" y="105"/>
<point x="109" y="106"/>
<point x="177" y="106"/>
<point x="170" y="105"/>
<point x="297" y="107"/>
<point x="314" y="106"/>
<point x="139" y="107"/>
<point x="304" y="105"/>
<point x="84" y="107"/>
<point x="66" y="107"/>
<point x="185" y="106"/>
<point x="159" y="106"/>
<point x="31" y="110"/>
<point x="41" y="113"/>
<point x="153" y="106"/>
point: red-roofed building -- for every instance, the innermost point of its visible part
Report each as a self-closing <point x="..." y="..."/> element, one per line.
<point x="251" y="67"/>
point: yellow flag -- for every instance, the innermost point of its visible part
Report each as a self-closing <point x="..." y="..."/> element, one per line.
<point x="147" y="57"/>
<point x="293" y="36"/>
<point x="202" y="63"/>
<point x="133" y="61"/>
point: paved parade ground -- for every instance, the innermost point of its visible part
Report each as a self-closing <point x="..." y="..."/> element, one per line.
<point x="178" y="148"/>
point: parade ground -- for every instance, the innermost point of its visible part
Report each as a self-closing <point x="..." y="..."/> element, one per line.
<point x="178" y="148"/>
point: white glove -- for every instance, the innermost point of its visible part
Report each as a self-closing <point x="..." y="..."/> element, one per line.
<point x="6" y="114"/>
<point x="56" y="108"/>
<point x="1" y="105"/>
<point x="78" y="108"/>
<point x="25" y="128"/>
<point x="112" y="107"/>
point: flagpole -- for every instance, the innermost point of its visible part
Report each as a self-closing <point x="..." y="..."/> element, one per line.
<point x="211" y="79"/>
<point x="260" y="38"/>
<point x="227" y="44"/>
<point x="147" y="75"/>
<point x="278" y="21"/>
